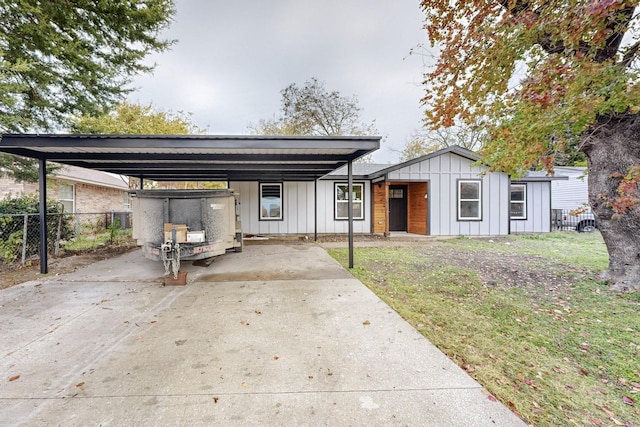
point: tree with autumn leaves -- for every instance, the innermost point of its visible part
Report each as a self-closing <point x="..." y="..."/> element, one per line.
<point x="538" y="74"/>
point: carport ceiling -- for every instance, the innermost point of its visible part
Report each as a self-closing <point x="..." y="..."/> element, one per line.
<point x="196" y="157"/>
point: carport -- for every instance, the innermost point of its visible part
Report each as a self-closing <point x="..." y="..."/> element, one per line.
<point x="193" y="158"/>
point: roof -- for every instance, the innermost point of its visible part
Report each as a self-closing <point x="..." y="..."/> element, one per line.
<point x="196" y="157"/>
<point x="533" y="176"/>
<point x="360" y="170"/>
<point x="93" y="177"/>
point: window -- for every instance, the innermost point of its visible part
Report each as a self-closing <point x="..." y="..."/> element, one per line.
<point x="271" y="201"/>
<point x="67" y="198"/>
<point x="127" y="201"/>
<point x="469" y="200"/>
<point x="518" y="201"/>
<point x="342" y="201"/>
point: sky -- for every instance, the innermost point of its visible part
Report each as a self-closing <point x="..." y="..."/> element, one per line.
<point x="232" y="58"/>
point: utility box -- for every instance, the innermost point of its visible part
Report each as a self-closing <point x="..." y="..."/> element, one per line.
<point x="205" y="222"/>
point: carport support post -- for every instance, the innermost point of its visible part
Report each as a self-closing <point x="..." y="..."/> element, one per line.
<point x="42" y="179"/>
<point x="350" y="209"/>
<point x="315" y="210"/>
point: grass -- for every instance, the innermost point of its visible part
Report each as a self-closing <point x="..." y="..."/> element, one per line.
<point x="568" y="355"/>
<point x="84" y="242"/>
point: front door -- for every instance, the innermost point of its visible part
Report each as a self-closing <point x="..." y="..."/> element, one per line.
<point x="398" y="208"/>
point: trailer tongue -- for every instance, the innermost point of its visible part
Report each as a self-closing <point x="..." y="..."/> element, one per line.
<point x="180" y="225"/>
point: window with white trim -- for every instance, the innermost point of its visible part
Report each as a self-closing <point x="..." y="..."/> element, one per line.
<point x="469" y="200"/>
<point x="341" y="195"/>
<point x="67" y="197"/>
<point x="518" y="201"/>
<point x="271" y="201"/>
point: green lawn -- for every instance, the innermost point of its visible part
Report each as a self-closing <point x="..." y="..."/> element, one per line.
<point x="525" y="316"/>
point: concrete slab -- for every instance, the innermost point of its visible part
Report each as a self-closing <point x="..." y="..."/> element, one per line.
<point x="276" y="335"/>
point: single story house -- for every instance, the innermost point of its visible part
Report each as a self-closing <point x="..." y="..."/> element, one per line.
<point x="444" y="193"/>
<point x="80" y="190"/>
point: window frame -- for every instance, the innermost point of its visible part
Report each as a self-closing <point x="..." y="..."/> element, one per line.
<point x="523" y="202"/>
<point x="336" y="201"/>
<point x="459" y="199"/>
<point x="63" y="199"/>
<point x="260" y="197"/>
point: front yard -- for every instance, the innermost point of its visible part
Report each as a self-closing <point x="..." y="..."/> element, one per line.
<point x="525" y="316"/>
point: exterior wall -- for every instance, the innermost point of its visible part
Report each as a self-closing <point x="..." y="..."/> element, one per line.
<point x="538" y="210"/>
<point x="442" y="172"/>
<point x="298" y="209"/>
<point x="417" y="208"/>
<point x="11" y="188"/>
<point x="572" y="193"/>
<point x="380" y="207"/>
<point x="93" y="198"/>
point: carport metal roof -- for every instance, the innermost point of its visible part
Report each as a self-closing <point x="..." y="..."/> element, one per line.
<point x="196" y="157"/>
<point x="192" y="158"/>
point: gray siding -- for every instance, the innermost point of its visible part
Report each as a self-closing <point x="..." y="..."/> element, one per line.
<point x="442" y="173"/>
<point x="538" y="210"/>
<point x="298" y="209"/>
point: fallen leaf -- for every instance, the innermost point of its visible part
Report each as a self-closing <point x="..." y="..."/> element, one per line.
<point x="154" y="321"/>
<point x="276" y="357"/>
<point x="215" y="400"/>
<point x="616" y="422"/>
<point x="366" y="322"/>
<point x="491" y="398"/>
<point x="80" y="384"/>
<point x="493" y="356"/>
<point x="609" y="412"/>
<point x="258" y="312"/>
<point x="13" y="378"/>
<point x="628" y="400"/>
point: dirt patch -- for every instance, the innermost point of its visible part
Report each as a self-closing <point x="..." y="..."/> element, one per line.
<point x="67" y="263"/>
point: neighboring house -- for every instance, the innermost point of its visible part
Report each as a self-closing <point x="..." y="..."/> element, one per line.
<point x="571" y="193"/>
<point x="78" y="189"/>
<point x="441" y="194"/>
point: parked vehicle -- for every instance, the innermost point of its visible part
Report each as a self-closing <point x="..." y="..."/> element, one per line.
<point x="581" y="221"/>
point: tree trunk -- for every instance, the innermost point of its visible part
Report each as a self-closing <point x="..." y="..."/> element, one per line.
<point x="612" y="146"/>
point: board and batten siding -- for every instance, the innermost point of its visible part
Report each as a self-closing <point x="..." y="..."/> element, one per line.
<point x="538" y="209"/>
<point x="442" y="173"/>
<point x="298" y="209"/>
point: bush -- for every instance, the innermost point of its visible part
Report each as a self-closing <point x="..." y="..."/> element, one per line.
<point x="12" y="225"/>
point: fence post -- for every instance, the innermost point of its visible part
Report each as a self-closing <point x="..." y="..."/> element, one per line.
<point x="24" y="239"/>
<point x="58" y="234"/>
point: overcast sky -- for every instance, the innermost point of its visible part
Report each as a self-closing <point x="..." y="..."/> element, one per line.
<point x="232" y="59"/>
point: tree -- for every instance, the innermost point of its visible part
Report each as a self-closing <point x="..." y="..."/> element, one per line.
<point x="312" y="110"/>
<point x="430" y="140"/>
<point x="128" y="118"/>
<point x="539" y="73"/>
<point x="58" y="59"/>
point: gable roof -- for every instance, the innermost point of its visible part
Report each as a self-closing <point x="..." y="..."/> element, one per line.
<point x="89" y="176"/>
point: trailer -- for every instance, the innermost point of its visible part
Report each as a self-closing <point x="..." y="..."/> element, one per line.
<point x="185" y="225"/>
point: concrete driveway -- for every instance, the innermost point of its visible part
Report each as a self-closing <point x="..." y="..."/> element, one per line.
<point x="280" y="334"/>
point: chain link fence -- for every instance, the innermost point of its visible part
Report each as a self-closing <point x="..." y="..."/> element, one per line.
<point x="66" y="232"/>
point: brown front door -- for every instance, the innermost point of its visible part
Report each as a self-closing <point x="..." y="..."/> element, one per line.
<point x="398" y="208"/>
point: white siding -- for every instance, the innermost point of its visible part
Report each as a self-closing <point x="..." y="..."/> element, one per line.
<point x="298" y="209"/>
<point x="572" y="193"/>
<point x="442" y="173"/>
<point x="538" y="210"/>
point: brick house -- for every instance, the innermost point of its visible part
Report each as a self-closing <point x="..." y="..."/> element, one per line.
<point x="78" y="189"/>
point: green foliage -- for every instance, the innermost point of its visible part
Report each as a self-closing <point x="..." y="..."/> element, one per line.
<point x="312" y="110"/>
<point x="64" y="58"/>
<point x="569" y="58"/>
<point x="128" y="118"/>
<point x="12" y="211"/>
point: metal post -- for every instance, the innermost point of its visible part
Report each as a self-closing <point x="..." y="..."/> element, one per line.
<point x="315" y="210"/>
<point x="25" y="234"/>
<point x="350" y="205"/>
<point x="42" y="178"/>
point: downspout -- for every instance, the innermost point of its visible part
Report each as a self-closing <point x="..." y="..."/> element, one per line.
<point x="350" y="209"/>
<point x="42" y="179"/>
